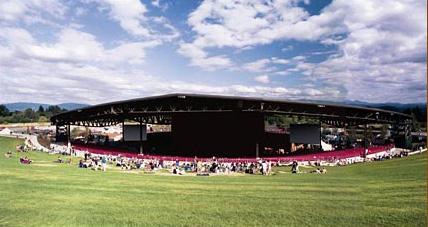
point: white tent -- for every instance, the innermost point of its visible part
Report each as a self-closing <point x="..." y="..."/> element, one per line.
<point x="325" y="146"/>
<point x="5" y="131"/>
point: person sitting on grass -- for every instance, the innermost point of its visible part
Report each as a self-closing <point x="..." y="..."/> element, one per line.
<point x="8" y="154"/>
<point x="82" y="164"/>
<point x="25" y="160"/>
<point x="177" y="170"/>
<point x="324" y="170"/>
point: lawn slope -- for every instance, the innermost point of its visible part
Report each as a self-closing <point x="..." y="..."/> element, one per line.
<point x="389" y="193"/>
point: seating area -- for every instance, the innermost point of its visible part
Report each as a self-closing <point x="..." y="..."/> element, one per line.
<point x="329" y="155"/>
<point x="320" y="156"/>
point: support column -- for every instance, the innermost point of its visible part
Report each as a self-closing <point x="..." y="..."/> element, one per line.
<point x="320" y="135"/>
<point x="86" y="133"/>
<point x="123" y="131"/>
<point x="257" y="150"/>
<point x="365" y="141"/>
<point x="408" y="135"/>
<point x="56" y="133"/>
<point x="141" y="136"/>
<point x="68" y="134"/>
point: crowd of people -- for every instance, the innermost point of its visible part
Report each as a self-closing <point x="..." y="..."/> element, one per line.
<point x="389" y="155"/>
<point x="60" y="149"/>
<point x="212" y="166"/>
<point x="260" y="167"/>
<point x="198" y="166"/>
<point x="100" y="162"/>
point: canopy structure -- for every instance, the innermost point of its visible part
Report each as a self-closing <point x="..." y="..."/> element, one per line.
<point x="160" y="109"/>
<point x="221" y="126"/>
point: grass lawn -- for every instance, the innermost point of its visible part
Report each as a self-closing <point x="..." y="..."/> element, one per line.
<point x="388" y="193"/>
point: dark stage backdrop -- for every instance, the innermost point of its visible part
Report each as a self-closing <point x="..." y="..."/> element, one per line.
<point x="132" y="132"/>
<point x="305" y="133"/>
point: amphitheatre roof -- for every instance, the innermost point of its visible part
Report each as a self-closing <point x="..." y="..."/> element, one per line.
<point x="159" y="110"/>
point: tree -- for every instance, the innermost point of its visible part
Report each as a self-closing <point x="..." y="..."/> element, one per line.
<point x="30" y="114"/>
<point x="43" y="119"/>
<point x="54" y="109"/>
<point x="4" y="111"/>
<point x="419" y="117"/>
<point x="41" y="109"/>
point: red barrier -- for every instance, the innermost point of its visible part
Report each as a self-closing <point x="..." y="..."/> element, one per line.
<point x="325" y="155"/>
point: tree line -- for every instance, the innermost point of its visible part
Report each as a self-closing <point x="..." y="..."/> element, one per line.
<point x="29" y="115"/>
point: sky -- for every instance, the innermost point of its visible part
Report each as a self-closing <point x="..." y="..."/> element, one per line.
<point x="96" y="51"/>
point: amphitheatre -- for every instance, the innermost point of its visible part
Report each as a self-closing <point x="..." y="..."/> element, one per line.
<point x="214" y="160"/>
<point x="213" y="113"/>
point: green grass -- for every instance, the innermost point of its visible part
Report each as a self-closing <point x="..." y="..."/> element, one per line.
<point x="389" y="193"/>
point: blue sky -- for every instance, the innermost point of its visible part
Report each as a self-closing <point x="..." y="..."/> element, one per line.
<point x="94" y="51"/>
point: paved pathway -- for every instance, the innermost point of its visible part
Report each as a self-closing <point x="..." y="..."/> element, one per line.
<point x="30" y="140"/>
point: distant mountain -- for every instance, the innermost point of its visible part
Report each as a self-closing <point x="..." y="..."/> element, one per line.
<point x="20" y="106"/>
<point x="388" y="105"/>
<point x="399" y="107"/>
<point x="72" y="106"/>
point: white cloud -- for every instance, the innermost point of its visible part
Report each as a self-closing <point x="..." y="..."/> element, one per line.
<point x="243" y="90"/>
<point x="72" y="67"/>
<point x="381" y="50"/>
<point x="299" y="58"/>
<point x="77" y="67"/>
<point x="199" y="57"/>
<point x="162" y="6"/>
<point x="80" y="11"/>
<point x="156" y="3"/>
<point x="75" y="46"/>
<point x="287" y="48"/>
<point x="132" y="17"/>
<point x="383" y="56"/>
<point x="129" y="14"/>
<point x="31" y="11"/>
<point x="262" y="79"/>
<point x="132" y="53"/>
<point x="380" y="43"/>
<point x="246" y="23"/>
<point x="12" y="10"/>
<point x="264" y="65"/>
<point x="280" y="61"/>
<point x="260" y="65"/>
<point x="54" y="73"/>
<point x="242" y="24"/>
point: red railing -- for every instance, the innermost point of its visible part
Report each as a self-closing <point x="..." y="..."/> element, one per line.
<point x="326" y="155"/>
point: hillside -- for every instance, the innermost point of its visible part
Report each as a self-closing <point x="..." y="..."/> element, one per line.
<point x="21" y="106"/>
<point x="388" y="193"/>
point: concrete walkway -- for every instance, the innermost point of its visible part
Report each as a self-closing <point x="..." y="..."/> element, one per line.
<point x="30" y="141"/>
